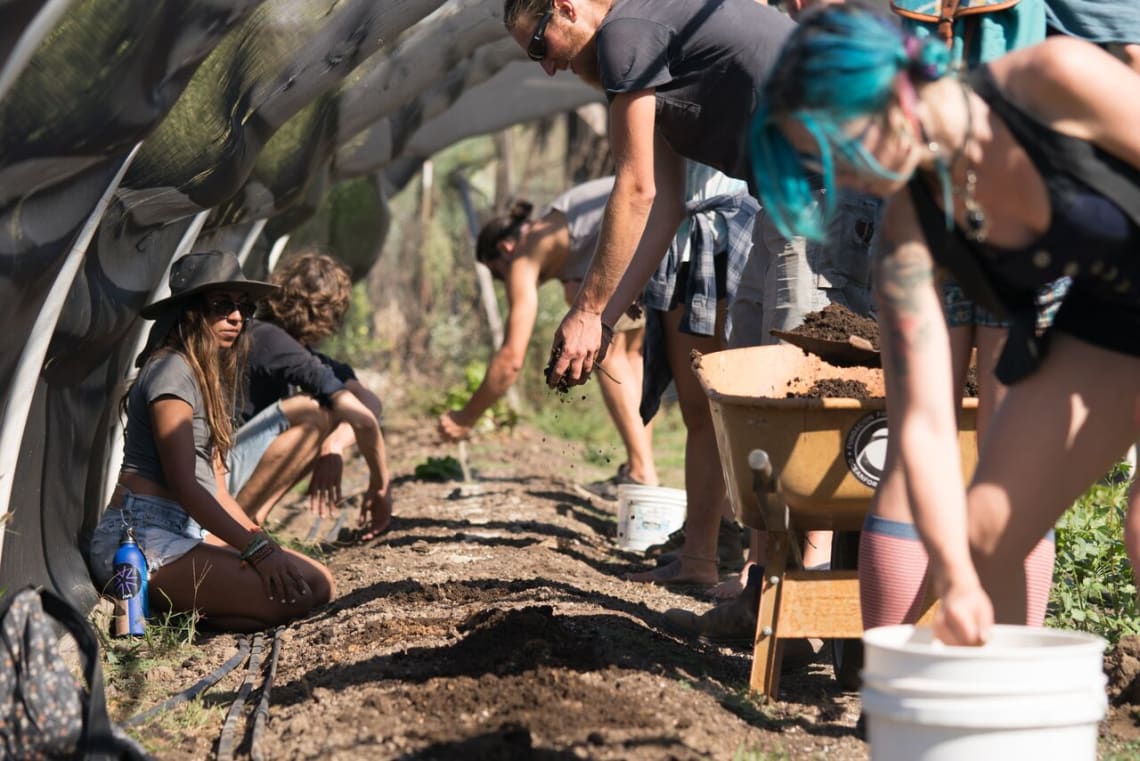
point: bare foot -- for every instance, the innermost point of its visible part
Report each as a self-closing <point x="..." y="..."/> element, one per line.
<point x="732" y="586"/>
<point x="685" y="570"/>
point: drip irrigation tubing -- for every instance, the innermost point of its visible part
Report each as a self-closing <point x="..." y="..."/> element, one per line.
<point x="226" y="740"/>
<point x="198" y="687"/>
<point x="261" y="715"/>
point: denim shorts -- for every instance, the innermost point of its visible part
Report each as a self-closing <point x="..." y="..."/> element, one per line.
<point x="961" y="310"/>
<point x="250" y="443"/>
<point x="163" y="530"/>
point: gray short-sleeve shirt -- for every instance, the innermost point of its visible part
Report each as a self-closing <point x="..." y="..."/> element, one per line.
<point x="166" y="374"/>
<point x="706" y="60"/>
<point x="583" y="206"/>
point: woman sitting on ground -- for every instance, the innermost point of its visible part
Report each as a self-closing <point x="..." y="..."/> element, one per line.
<point x="1025" y="171"/>
<point x="172" y="482"/>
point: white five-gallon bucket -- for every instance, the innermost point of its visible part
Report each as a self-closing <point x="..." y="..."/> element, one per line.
<point x="1028" y="693"/>
<point x="648" y="514"/>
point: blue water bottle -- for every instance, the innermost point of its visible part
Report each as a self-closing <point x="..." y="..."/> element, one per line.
<point x="129" y="583"/>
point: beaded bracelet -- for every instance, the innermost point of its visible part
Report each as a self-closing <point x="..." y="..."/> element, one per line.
<point x="261" y="553"/>
<point x="256" y="543"/>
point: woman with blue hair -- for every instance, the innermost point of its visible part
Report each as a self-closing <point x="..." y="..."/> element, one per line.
<point x="1023" y="172"/>
<point x="892" y="560"/>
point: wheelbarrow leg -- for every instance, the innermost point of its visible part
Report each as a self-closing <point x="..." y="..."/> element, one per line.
<point x="767" y="652"/>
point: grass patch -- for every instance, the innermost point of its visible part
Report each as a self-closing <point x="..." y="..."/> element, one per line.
<point x="314" y="550"/>
<point x="1113" y="749"/>
<point x="756" y="754"/>
<point x="193" y="714"/>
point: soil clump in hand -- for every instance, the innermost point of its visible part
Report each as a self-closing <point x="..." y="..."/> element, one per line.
<point x="563" y="386"/>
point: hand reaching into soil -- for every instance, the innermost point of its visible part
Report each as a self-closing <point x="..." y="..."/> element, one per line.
<point x="375" y="511"/>
<point x="324" y="484"/>
<point x="451" y="429"/>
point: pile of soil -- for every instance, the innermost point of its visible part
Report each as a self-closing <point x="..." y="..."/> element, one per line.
<point x="493" y="621"/>
<point x="834" y="388"/>
<point x="836" y="322"/>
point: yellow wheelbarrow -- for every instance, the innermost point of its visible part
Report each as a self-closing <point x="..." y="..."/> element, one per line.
<point x="794" y="464"/>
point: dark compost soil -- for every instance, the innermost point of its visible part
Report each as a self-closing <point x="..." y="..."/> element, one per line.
<point x="493" y="622"/>
<point x="836" y="322"/>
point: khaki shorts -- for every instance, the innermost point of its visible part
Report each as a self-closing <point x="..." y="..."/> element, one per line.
<point x="786" y="278"/>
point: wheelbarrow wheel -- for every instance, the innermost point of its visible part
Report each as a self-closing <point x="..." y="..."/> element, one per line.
<point x="846" y="654"/>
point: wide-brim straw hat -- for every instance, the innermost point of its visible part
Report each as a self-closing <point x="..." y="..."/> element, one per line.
<point x="204" y="271"/>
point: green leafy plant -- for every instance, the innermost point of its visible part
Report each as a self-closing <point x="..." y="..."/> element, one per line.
<point x="439" y="469"/>
<point x="1093" y="588"/>
<point x="500" y="415"/>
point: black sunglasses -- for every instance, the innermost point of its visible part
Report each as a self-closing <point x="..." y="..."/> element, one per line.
<point x="536" y="50"/>
<point x="225" y="307"/>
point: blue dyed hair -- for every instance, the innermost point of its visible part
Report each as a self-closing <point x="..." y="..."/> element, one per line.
<point x="840" y="63"/>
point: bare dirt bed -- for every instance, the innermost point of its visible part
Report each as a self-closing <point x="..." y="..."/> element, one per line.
<point x="493" y="622"/>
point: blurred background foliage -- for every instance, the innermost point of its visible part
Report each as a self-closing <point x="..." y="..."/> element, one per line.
<point x="416" y="317"/>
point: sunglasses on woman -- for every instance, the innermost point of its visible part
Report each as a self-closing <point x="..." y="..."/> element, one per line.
<point x="222" y="307"/>
<point x="536" y="50"/>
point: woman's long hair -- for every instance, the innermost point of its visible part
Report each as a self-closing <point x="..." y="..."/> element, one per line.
<point x="840" y="63"/>
<point x="216" y="371"/>
<point x="314" y="295"/>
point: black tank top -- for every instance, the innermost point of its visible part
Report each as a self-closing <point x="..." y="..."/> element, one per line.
<point x="1093" y="236"/>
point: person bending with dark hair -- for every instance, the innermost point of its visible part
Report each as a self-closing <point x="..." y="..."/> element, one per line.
<point x="524" y="253"/>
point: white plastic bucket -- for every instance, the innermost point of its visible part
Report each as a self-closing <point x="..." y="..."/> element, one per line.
<point x="648" y="514"/>
<point x="1027" y="693"/>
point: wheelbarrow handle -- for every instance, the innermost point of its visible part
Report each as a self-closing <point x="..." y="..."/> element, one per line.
<point x="763" y="476"/>
<point x="766" y="485"/>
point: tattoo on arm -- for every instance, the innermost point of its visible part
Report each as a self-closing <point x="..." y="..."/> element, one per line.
<point x="903" y="272"/>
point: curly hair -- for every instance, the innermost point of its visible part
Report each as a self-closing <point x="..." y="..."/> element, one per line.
<point x="314" y="296"/>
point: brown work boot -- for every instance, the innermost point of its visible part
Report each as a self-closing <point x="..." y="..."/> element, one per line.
<point x="731" y="622"/>
<point x="607" y="488"/>
<point x="669" y="550"/>
<point x="731" y="546"/>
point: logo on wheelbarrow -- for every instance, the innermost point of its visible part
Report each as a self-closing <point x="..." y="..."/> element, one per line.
<point x="866" y="448"/>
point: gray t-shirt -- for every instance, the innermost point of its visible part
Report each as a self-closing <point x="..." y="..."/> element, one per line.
<point x="166" y="374"/>
<point x="1100" y="21"/>
<point x="707" y="60"/>
<point x="583" y="206"/>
